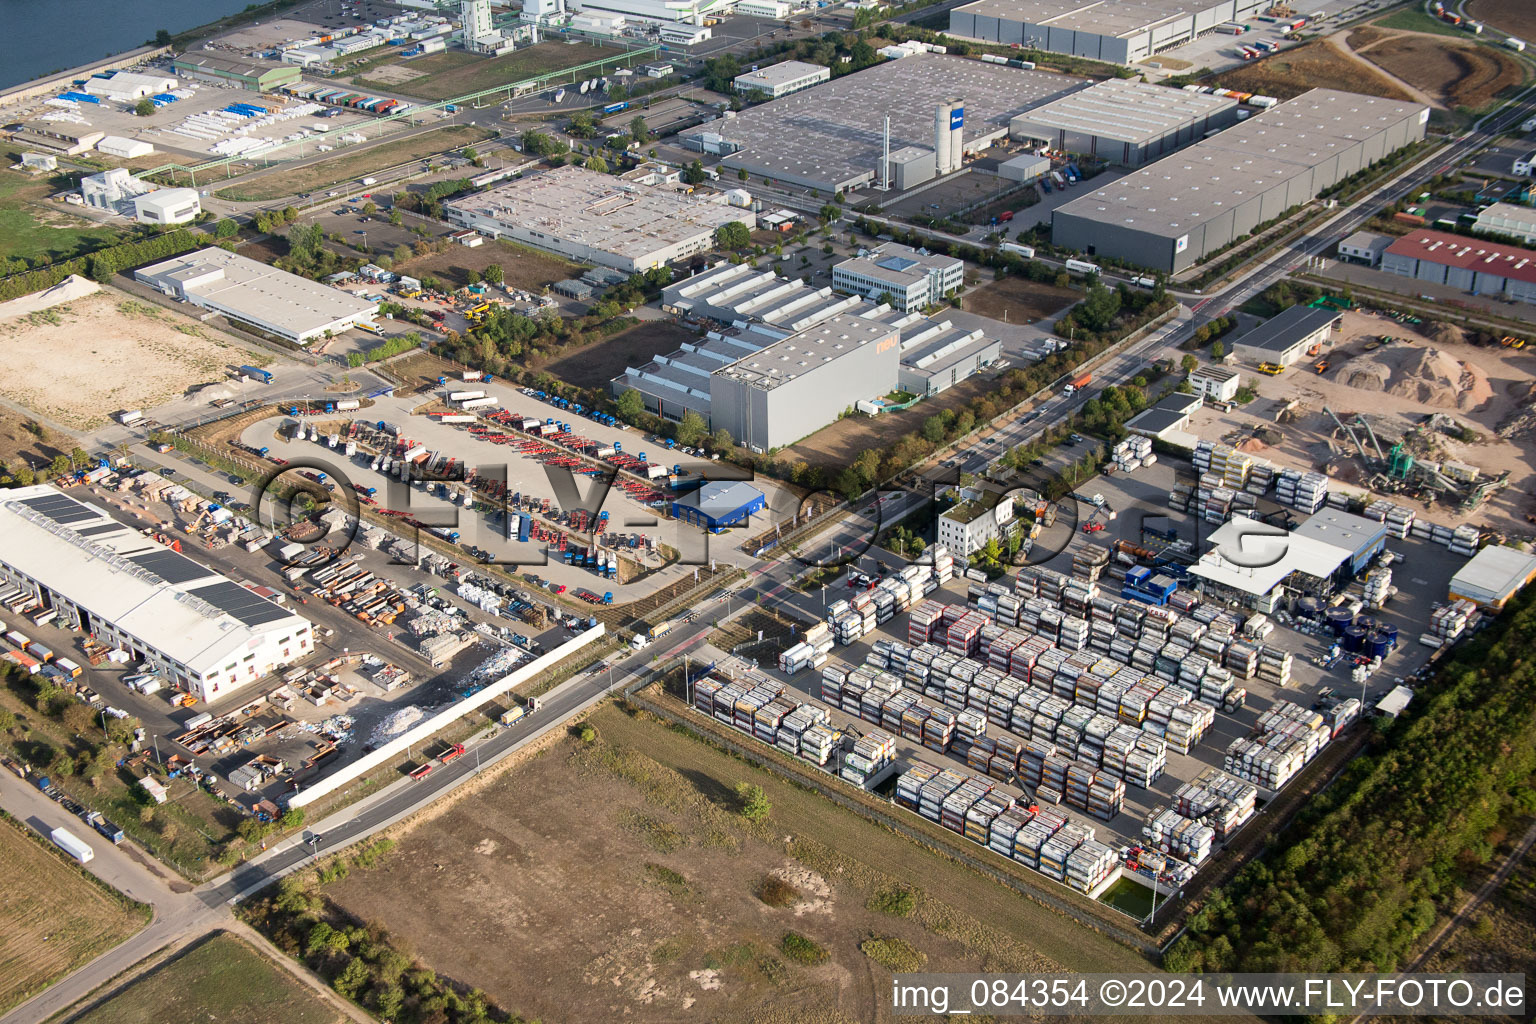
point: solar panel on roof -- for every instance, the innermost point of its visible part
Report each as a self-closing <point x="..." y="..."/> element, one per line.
<point x="170" y="566"/>
<point x="250" y="608"/>
<point x="60" y="508"/>
<point x="104" y="528"/>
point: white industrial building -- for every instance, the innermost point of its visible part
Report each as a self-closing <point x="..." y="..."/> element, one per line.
<point x="125" y="149"/>
<point x="658" y="12"/>
<point x="597" y="218"/>
<point x="686" y="35"/>
<point x="167" y="206"/>
<point x="128" y="86"/>
<point x="967" y="526"/>
<point x="1122" y="32"/>
<point x="205" y="634"/>
<point x="1215" y="382"/>
<point x="34" y="163"/>
<point x="782" y="79"/>
<point x="112" y="189"/>
<point x="1285" y="338"/>
<point x="251" y="292"/>
<point x="1364" y="247"/>
<point x="1125" y="122"/>
<point x="1506" y="219"/>
<point x="1026" y="167"/>
<point x="774" y="9"/>
<point x="912" y="278"/>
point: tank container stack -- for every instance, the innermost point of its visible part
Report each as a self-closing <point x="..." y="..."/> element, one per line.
<point x="1464" y="540"/>
<point x="1448" y="621"/>
<point x="1217" y="799"/>
<point x="1399" y="520"/>
<point x="1089" y="560"/>
<point x="1378" y="588"/>
<point x="1306" y="492"/>
<point x="1133" y="453"/>
<point x="1090" y="866"/>
<point x="870" y="756"/>
<point x="1170" y="832"/>
<point x="1286" y="738"/>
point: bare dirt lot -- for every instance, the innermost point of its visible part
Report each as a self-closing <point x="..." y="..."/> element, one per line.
<point x="838" y="444"/>
<point x="1018" y="300"/>
<point x="524" y="268"/>
<point x="78" y="362"/>
<point x="1456" y="76"/>
<point x="52" y="919"/>
<point x="455" y="73"/>
<point x="1316" y="65"/>
<point x="1517" y="17"/>
<point x="618" y="881"/>
<point x="1396" y="387"/>
<point x="596" y="365"/>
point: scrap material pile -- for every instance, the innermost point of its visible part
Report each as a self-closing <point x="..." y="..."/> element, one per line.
<point x="398" y="723"/>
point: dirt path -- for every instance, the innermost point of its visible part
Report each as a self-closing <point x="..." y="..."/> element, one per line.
<point x="1341" y="44"/>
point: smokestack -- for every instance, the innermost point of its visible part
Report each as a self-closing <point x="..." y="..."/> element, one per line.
<point x="941" y="136"/>
<point x="885" y="162"/>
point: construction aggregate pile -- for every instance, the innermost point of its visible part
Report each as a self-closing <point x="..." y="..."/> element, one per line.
<point x="1427" y="376"/>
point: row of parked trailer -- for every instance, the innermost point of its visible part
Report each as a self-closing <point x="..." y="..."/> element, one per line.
<point x="347" y="98"/>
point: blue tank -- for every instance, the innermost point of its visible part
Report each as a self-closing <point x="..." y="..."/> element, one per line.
<point x="1389" y="632"/>
<point x="1354" y="639"/>
<point x="1339" y="620"/>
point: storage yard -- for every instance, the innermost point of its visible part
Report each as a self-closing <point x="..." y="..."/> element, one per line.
<point x="52" y="918"/>
<point x="440" y="76"/>
<point x="1397" y="386"/>
<point x="640" y="830"/>
<point x="77" y="362"/>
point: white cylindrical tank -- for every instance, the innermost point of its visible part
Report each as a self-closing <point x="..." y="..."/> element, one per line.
<point x="941" y="160"/>
<point x="956" y="133"/>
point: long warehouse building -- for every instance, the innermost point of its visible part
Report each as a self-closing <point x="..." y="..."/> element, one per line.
<point x="204" y="633"/>
<point x="1125" y="122"/>
<point x="251" y="292"/>
<point x="597" y="218"/>
<point x="1171" y="214"/>
<point x="1119" y="32"/>
<point x="1477" y="265"/>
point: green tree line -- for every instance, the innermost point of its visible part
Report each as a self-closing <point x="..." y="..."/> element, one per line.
<point x="104" y="263"/>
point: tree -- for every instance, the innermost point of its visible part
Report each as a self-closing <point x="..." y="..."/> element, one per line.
<point x="631" y="405"/>
<point x="933" y="429"/>
<point x="582" y="126"/>
<point x="471" y="155"/>
<point x="596" y="163"/>
<point x="754" y="802"/>
<point x="637" y="129"/>
<point x="1099" y="307"/>
<point x="1218" y="350"/>
<point x="228" y="228"/>
<point x="494" y="274"/>
<point x="733" y="235"/>
<point x="691" y="429"/>
<point x="144" y="108"/>
<point x="694" y="174"/>
<point x="472" y="277"/>
<point x="1189" y="363"/>
<point x="369" y="209"/>
<point x="721" y="440"/>
<point x="742" y="174"/>
<point x="162" y="37"/>
<point x="78" y="457"/>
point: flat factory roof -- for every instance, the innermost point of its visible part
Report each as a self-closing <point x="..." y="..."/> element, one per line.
<point x="1342" y="529"/>
<point x="720" y="499"/>
<point x="228" y="65"/>
<point x="807" y="350"/>
<point x="1493" y="574"/>
<point x="783" y="73"/>
<point x="834" y="131"/>
<point x="896" y="263"/>
<point x="250" y="289"/>
<point x="1265" y="556"/>
<point x="186" y="611"/>
<point x="1287" y="329"/>
<point x="1123" y="109"/>
<point x="1239" y="163"/>
<point x="600" y="211"/>
<point x="1120" y="18"/>
<point x="1477" y="254"/>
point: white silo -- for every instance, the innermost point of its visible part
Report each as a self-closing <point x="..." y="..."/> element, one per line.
<point x="956" y="133"/>
<point x="941" y="137"/>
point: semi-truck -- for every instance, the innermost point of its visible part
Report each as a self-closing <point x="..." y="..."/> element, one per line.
<point x="73" y="845"/>
<point x="1026" y="251"/>
<point x="1082" y="267"/>
<point x="1077" y="384"/>
<point x="256" y="373"/>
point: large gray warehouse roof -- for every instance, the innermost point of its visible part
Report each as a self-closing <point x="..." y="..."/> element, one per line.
<point x="1116" y="18"/>
<point x="833" y="133"/>
<point x="1178" y="191"/>
<point x="1122" y="109"/>
<point x="806" y="350"/>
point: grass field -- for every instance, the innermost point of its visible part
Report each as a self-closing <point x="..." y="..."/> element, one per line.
<point x="220" y="979"/>
<point x="683" y="903"/>
<point x="1413" y="19"/>
<point x="456" y="73"/>
<point x="1517" y="17"/>
<point x="32" y="228"/>
<point x="52" y="917"/>
<point x="348" y="167"/>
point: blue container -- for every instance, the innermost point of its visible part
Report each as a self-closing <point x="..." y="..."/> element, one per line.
<point x="1339" y="619"/>
<point x="1309" y="607"/>
<point x="1377" y="645"/>
<point x="1354" y="639"/>
<point x="1390" y="632"/>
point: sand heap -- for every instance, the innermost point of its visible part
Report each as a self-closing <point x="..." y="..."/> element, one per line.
<point x="1521" y="420"/>
<point x="72" y="287"/>
<point x="1426" y="376"/>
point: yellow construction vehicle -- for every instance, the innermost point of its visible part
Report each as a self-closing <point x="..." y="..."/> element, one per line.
<point x="1272" y="369"/>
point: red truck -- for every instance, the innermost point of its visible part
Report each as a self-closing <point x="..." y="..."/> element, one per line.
<point x="455" y="751"/>
<point x="1077" y="383"/>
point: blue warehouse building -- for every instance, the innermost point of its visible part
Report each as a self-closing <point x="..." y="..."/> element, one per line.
<point x="719" y="505"/>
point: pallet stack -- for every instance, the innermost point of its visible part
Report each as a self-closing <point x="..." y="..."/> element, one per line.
<point x="1306" y="492"/>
